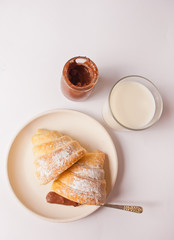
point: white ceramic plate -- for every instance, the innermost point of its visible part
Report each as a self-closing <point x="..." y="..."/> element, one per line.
<point x="21" y="172"/>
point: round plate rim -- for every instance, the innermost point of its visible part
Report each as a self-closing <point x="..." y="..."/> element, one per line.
<point x="13" y="140"/>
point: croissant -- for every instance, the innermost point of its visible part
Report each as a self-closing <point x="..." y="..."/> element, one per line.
<point x="54" y="153"/>
<point x="84" y="182"/>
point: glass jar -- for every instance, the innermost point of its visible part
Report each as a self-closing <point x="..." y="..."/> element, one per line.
<point x="79" y="78"/>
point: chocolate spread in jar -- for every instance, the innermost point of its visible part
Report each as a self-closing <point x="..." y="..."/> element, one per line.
<point x="53" y="197"/>
<point x="79" y="77"/>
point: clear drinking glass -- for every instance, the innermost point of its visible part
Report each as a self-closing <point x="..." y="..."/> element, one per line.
<point x="134" y="103"/>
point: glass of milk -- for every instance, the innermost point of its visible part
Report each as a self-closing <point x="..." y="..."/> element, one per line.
<point x="134" y="103"/>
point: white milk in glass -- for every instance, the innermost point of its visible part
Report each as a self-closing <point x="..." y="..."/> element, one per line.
<point x="132" y="104"/>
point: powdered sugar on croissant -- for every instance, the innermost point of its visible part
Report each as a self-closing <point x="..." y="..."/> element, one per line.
<point x="84" y="182"/>
<point x="54" y="153"/>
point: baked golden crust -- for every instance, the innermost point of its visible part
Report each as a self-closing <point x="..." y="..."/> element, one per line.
<point x="84" y="182"/>
<point x="43" y="135"/>
<point x="54" y="153"/>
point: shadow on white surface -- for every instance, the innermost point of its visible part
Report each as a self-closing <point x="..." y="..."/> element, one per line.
<point x="167" y="110"/>
<point x="107" y="78"/>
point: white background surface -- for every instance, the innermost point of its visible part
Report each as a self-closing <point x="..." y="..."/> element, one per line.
<point x="122" y="38"/>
